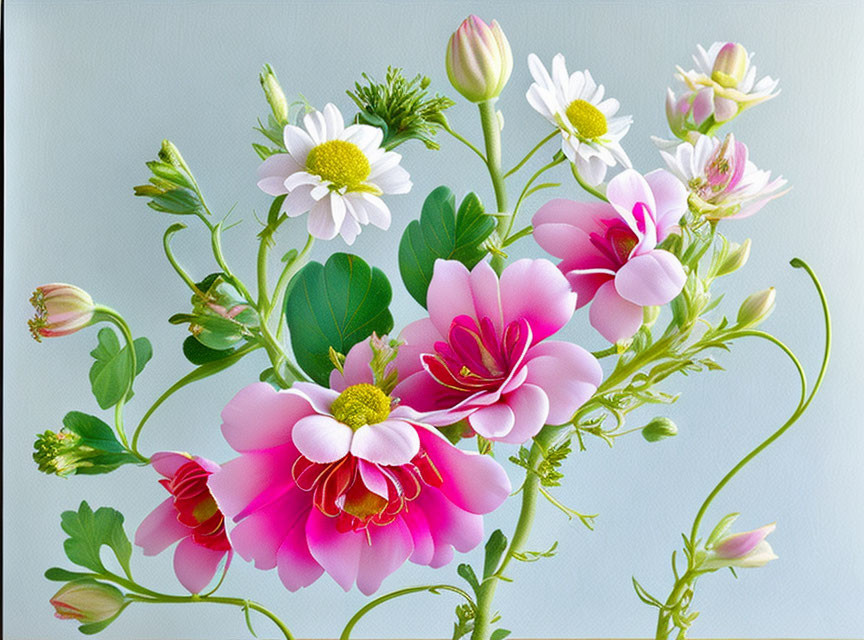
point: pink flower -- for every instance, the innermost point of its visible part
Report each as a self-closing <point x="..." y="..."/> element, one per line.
<point x="746" y="550"/>
<point x="191" y="516"/>
<point x="347" y="484"/>
<point x="61" y="309"/>
<point x="482" y="353"/>
<point x="609" y="252"/>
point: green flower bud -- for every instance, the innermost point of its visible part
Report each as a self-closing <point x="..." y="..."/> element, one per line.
<point x="756" y="308"/>
<point x="659" y="429"/>
<point x="737" y="258"/>
<point x="61" y="453"/>
<point x="479" y="59"/>
<point x="88" y="601"/>
<point x="650" y="315"/>
<point x="275" y="95"/>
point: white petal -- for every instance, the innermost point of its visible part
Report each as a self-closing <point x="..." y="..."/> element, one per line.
<point x="298" y="143"/>
<point x="320" y="223"/>
<point x="333" y="121"/>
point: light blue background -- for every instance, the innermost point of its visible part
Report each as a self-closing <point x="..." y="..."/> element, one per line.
<point x="93" y="87"/>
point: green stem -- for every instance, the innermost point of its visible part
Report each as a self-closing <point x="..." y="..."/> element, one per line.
<point x="492" y="137"/>
<point x="169" y="253"/>
<point x="531" y="153"/>
<point x="239" y="602"/>
<point x="464" y="141"/>
<point x="554" y="163"/>
<point x="435" y="588"/>
<point x="201" y="372"/>
<point x="524" y="231"/>
<point x="592" y="190"/>
<point x="287" y="274"/>
<point x="486" y="595"/>
<point x="216" y="244"/>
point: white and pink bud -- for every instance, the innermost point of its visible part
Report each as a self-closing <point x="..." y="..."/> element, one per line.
<point x="87" y="601"/>
<point x="745" y="550"/>
<point x="730" y="65"/>
<point x="479" y="59"/>
<point x="61" y="309"/>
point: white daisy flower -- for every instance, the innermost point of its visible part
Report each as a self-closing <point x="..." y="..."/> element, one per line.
<point x="574" y="103"/>
<point x="336" y="173"/>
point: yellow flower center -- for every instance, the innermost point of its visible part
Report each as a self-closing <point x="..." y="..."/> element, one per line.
<point x="339" y="162"/>
<point x="588" y="120"/>
<point x="361" y="404"/>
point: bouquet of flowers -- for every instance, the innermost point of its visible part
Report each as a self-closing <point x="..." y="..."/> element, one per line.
<point x="362" y="446"/>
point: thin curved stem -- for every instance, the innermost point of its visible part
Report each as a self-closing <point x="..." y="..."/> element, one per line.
<point x="435" y="588"/>
<point x="464" y="141"/>
<point x="288" y="273"/>
<point x="531" y="153"/>
<point x="593" y="191"/>
<point x="554" y="163"/>
<point x="169" y="253"/>
<point x="216" y="244"/>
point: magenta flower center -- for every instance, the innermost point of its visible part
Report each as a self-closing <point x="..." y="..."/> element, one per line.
<point x="340" y="491"/>
<point x="617" y="243"/>
<point x="475" y="357"/>
<point x="196" y="507"/>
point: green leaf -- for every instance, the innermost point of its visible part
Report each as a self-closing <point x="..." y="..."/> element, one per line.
<point x="443" y="233"/>
<point x="467" y="574"/>
<point x="62" y="575"/>
<point x="495" y="548"/>
<point x="197" y="353"/>
<point x="109" y="375"/>
<point x="337" y="304"/>
<point x="94" y="433"/>
<point x="499" y="634"/>
<point x="88" y="531"/>
<point x="179" y="201"/>
<point x="644" y="596"/>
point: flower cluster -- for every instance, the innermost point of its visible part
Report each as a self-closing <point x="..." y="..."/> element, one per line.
<point x="353" y="447"/>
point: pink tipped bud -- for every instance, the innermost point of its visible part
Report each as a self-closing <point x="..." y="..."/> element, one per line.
<point x="748" y="549"/>
<point x="61" y="309"/>
<point x="479" y="59"/>
<point x="87" y="601"/>
<point x="730" y="65"/>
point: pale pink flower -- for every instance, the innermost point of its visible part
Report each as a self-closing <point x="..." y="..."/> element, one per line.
<point x="722" y="181"/>
<point x="191" y="516"/>
<point x="746" y="550"/>
<point x="482" y="353"/>
<point x="61" y="309"/>
<point x="609" y="252"/>
<point x="348" y="484"/>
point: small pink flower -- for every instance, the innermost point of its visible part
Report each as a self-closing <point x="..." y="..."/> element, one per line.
<point x="347" y="483"/>
<point x="61" y="309"/>
<point x="746" y="550"/>
<point x="482" y="353"/>
<point x="609" y="252"/>
<point x="191" y="516"/>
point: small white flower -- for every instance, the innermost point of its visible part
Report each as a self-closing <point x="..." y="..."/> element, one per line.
<point x="336" y="173"/>
<point x="722" y="181"/>
<point x="574" y="103"/>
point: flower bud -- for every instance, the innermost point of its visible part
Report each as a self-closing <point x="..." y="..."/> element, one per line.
<point x="730" y="65"/>
<point x="650" y="315"/>
<point x="479" y="60"/>
<point x="88" y="601"/>
<point x="275" y="95"/>
<point x="676" y="113"/>
<point x="57" y="453"/>
<point x="61" y="309"/>
<point x="659" y="429"/>
<point x="746" y="550"/>
<point x="756" y="308"/>
<point x="737" y="258"/>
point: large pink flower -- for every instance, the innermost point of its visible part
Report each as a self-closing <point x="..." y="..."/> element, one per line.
<point x="482" y="353"/>
<point x="609" y="252"/>
<point x="191" y="516"/>
<point x="347" y="484"/>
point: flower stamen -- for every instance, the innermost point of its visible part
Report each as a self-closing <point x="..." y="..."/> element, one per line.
<point x="588" y="120"/>
<point x="341" y="163"/>
<point x="361" y="404"/>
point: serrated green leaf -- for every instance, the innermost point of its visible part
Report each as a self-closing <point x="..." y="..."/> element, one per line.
<point x="109" y="374"/>
<point x="337" y="304"/>
<point x="88" y="531"/>
<point x="495" y="548"/>
<point x="442" y="232"/>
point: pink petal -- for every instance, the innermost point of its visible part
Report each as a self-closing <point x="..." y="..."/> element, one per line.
<point x="373" y="479"/>
<point x="195" y="565"/>
<point x="449" y="294"/>
<point x="160" y="529"/>
<point x="568" y="375"/>
<point x="493" y="422"/>
<point x="472" y="482"/>
<point x="740" y="544"/>
<point x="538" y="292"/>
<point x="421" y="536"/>
<point x="487" y="295"/>
<point x="253" y="480"/>
<point x="259" y="417"/>
<point x="338" y="553"/>
<point x="392" y="442"/>
<point x="703" y="105"/>
<point x="563" y="240"/>
<point x="418" y="337"/>
<point x="389" y="548"/>
<point x="319" y="397"/>
<point x="724" y="109"/>
<point x="259" y="536"/>
<point x="295" y="565"/>
<point x="322" y="438"/>
<point x="627" y="191"/>
<point x="355" y="370"/>
<point x="670" y="196"/>
<point x="581" y="215"/>
<point x="613" y="316"/>
<point x="450" y="525"/>
<point x="530" y="407"/>
<point x="653" y="278"/>
<point x="167" y="462"/>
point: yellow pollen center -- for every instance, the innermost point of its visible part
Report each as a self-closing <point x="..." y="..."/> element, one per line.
<point x="339" y="162"/>
<point x="588" y="119"/>
<point x="361" y="404"/>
